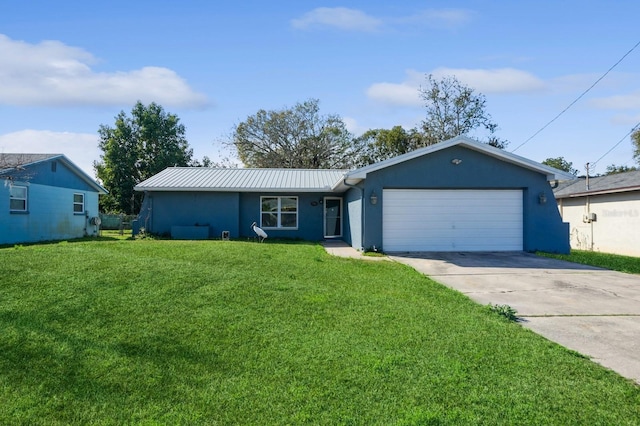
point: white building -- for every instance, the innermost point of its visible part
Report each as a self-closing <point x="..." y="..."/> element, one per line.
<point x="603" y="212"/>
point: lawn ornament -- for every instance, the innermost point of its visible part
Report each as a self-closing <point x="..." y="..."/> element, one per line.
<point x="259" y="232"/>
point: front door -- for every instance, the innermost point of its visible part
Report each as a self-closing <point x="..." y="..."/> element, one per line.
<point x="332" y="217"/>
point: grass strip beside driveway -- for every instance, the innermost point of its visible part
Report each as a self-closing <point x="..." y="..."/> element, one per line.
<point x="614" y="262"/>
<point x="179" y="332"/>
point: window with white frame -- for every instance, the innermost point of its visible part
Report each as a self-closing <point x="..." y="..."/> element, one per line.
<point x="18" y="197"/>
<point x="78" y="203"/>
<point x="279" y="212"/>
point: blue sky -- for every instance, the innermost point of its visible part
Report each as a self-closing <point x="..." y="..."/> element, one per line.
<point x="67" y="67"/>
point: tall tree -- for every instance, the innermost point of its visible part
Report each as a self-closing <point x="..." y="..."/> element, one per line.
<point x="561" y="164"/>
<point x="380" y="144"/>
<point x="635" y="140"/>
<point x="453" y="109"/>
<point x="136" y="148"/>
<point x="297" y="137"/>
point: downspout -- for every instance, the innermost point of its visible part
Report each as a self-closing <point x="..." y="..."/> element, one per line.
<point x="362" y="215"/>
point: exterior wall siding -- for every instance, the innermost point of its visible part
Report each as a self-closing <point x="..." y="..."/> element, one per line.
<point x="43" y="173"/>
<point x="543" y="226"/>
<point x="218" y="211"/>
<point x="50" y="215"/>
<point x="310" y="215"/>
<point x="616" y="228"/>
<point x="228" y="211"/>
<point x="353" y="217"/>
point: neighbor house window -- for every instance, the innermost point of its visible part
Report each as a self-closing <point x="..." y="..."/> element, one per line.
<point x="18" y="198"/>
<point x="78" y="203"/>
<point x="279" y="212"/>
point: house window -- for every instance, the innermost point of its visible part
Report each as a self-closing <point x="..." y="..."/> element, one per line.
<point x="18" y="198"/>
<point x="78" y="203"/>
<point x="279" y="212"/>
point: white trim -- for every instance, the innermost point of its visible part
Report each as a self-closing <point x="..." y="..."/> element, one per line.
<point x="25" y="198"/>
<point x="279" y="212"/>
<point x="76" y="203"/>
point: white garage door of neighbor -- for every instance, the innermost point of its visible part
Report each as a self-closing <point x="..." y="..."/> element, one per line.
<point x="452" y="220"/>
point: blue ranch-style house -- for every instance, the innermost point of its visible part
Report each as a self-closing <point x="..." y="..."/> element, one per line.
<point x="458" y="195"/>
<point x="46" y="197"/>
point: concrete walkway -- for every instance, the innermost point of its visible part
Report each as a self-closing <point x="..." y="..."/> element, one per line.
<point x="341" y="249"/>
<point x="593" y="311"/>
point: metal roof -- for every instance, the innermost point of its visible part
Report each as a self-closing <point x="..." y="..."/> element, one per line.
<point x="550" y="172"/>
<point x="618" y="182"/>
<point x="242" y="180"/>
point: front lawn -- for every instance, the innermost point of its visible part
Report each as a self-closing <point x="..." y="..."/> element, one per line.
<point x="615" y="262"/>
<point x="212" y="332"/>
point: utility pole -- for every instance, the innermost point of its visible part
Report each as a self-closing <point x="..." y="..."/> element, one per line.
<point x="587" y="166"/>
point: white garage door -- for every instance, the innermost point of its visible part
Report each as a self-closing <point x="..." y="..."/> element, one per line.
<point x="452" y="220"/>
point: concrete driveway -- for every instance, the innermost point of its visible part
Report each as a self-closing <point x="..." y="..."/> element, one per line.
<point x="593" y="311"/>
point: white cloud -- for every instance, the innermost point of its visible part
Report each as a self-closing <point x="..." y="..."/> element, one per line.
<point x="356" y="20"/>
<point x="628" y="101"/>
<point x="53" y="74"/>
<point x="438" y="18"/>
<point x="401" y="94"/>
<point x="487" y="81"/>
<point x="81" y="148"/>
<point x="337" y="17"/>
<point x="504" y="80"/>
<point x="353" y="126"/>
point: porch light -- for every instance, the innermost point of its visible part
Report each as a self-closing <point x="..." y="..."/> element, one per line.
<point x="542" y="199"/>
<point x="373" y="198"/>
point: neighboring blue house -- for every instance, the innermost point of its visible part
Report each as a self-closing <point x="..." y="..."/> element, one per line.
<point x="45" y="197"/>
<point x="458" y="195"/>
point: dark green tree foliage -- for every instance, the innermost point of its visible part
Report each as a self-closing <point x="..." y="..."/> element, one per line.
<point x="136" y="148"/>
<point x="561" y="164"/>
<point x="613" y="169"/>
<point x="297" y="137"/>
<point x="380" y="144"/>
<point x="453" y="109"/>
<point x="635" y="140"/>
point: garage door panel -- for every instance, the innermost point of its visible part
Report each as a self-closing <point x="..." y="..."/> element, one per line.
<point x="452" y="220"/>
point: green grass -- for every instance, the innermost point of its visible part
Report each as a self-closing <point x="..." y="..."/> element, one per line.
<point x="615" y="262"/>
<point x="117" y="331"/>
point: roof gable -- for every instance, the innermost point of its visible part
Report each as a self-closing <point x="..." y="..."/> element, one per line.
<point x="550" y="172"/>
<point x="19" y="161"/>
<point x="242" y="180"/>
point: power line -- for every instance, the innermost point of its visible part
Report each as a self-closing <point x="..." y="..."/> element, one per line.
<point x="578" y="98"/>
<point x="636" y="127"/>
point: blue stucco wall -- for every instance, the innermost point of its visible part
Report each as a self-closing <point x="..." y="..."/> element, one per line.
<point x="543" y="226"/>
<point x="43" y="174"/>
<point x="50" y="215"/>
<point x="310" y="216"/>
<point x="353" y="217"/>
<point x="218" y="211"/>
<point x="228" y="211"/>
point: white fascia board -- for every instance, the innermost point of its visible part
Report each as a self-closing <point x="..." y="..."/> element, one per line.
<point x="252" y="190"/>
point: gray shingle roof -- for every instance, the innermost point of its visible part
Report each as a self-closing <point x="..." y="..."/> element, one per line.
<point x="619" y="182"/>
<point x="11" y="161"/>
<point x="242" y="180"/>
